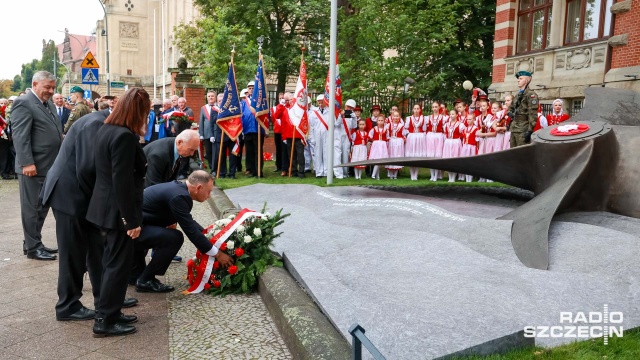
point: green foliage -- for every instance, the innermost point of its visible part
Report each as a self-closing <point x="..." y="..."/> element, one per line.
<point x="49" y="54"/>
<point x="283" y="23"/>
<point x="17" y="83"/>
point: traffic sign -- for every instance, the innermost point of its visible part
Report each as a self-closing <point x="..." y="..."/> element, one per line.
<point x="90" y="76"/>
<point x="117" y="84"/>
<point x="87" y="94"/>
<point x="89" y="61"/>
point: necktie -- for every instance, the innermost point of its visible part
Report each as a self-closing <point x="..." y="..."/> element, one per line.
<point x="211" y="114"/>
<point x="174" y="170"/>
<point x="60" y="112"/>
<point x="45" y="104"/>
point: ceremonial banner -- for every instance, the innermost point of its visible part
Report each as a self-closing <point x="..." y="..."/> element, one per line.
<point x="298" y="112"/>
<point x="541" y="118"/>
<point x="259" y="99"/>
<point x="327" y="89"/>
<point x="230" y="116"/>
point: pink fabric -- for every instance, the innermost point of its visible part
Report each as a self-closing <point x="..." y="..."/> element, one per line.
<point x="396" y="149"/>
<point x="435" y="143"/>
<point x="378" y="150"/>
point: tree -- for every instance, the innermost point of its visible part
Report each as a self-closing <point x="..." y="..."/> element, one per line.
<point x="283" y="23"/>
<point x="17" y="81"/>
<point x="5" y="88"/>
<point x="49" y="54"/>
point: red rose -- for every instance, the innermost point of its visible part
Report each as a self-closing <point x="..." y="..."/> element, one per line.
<point x="216" y="265"/>
<point x="239" y="252"/>
<point x="223" y="247"/>
<point x="232" y="269"/>
<point x="207" y="286"/>
<point x="216" y="283"/>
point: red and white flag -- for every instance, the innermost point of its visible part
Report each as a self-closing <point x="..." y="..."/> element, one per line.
<point x="298" y="112"/>
<point x="542" y="120"/>
<point x="327" y="89"/>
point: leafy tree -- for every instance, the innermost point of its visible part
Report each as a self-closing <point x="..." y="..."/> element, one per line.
<point x="283" y="23"/>
<point x="49" y="53"/>
<point x="5" y="88"/>
<point x="17" y="83"/>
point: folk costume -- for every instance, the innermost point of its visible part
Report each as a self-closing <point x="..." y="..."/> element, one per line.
<point x="416" y="145"/>
<point x="469" y="145"/>
<point x="435" y="141"/>
<point x="452" y="144"/>
<point x="359" y="139"/>
<point x="396" y="147"/>
<point x="379" y="137"/>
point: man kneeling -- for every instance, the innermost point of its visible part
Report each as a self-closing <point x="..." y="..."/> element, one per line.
<point x="166" y="205"/>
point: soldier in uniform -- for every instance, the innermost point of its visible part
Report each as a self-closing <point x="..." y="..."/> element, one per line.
<point x="80" y="109"/>
<point x="523" y="112"/>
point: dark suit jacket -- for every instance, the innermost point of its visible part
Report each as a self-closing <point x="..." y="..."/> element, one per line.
<point x="170" y="203"/>
<point x="207" y="125"/>
<point x="37" y="133"/>
<point x="217" y="131"/>
<point x="160" y="161"/>
<point x="65" y="114"/>
<point x="116" y="202"/>
<point x="61" y="188"/>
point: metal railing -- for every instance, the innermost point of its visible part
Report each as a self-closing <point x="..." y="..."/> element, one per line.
<point x="360" y="339"/>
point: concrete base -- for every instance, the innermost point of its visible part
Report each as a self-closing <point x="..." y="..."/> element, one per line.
<point x="426" y="281"/>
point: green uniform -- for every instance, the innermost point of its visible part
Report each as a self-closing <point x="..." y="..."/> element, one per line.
<point x="78" y="111"/>
<point x="526" y="115"/>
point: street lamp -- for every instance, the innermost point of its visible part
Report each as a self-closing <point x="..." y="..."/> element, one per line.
<point x="105" y="32"/>
<point x="68" y="72"/>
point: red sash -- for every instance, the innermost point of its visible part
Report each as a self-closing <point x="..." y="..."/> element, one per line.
<point x="321" y="119"/>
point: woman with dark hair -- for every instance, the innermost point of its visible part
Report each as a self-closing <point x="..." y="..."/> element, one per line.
<point x="116" y="205"/>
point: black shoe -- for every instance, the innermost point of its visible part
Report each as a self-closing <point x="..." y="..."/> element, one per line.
<point x="153" y="286"/>
<point x="82" y="314"/>
<point x="102" y="329"/>
<point x="130" y="302"/>
<point x="301" y="175"/>
<point x="49" y="250"/>
<point x="177" y="258"/>
<point x="231" y="177"/>
<point x="277" y="170"/>
<point x="126" y="319"/>
<point x="40" y="254"/>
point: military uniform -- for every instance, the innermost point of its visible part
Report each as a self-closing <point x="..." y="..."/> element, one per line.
<point x="525" y="109"/>
<point x="79" y="110"/>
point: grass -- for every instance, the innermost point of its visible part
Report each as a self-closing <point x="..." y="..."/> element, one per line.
<point x="403" y="180"/>
<point x="626" y="347"/>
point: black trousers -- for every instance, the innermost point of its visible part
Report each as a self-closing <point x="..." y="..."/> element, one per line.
<point x="252" y="153"/>
<point x="297" y="166"/>
<point x="238" y="157"/>
<point x="116" y="265"/>
<point x="5" y="155"/>
<point x="208" y="149"/>
<point x="80" y="249"/>
<point x="227" y="146"/>
<point x="32" y="211"/>
<point x="166" y="244"/>
<point x="277" y="139"/>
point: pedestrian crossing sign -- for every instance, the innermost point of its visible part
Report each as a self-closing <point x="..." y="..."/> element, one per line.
<point x="89" y="61"/>
<point x="90" y="76"/>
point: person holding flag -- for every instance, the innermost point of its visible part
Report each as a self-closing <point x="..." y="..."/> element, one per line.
<point x="259" y="108"/>
<point x="318" y="121"/>
<point x="343" y="126"/>
<point x="297" y="127"/>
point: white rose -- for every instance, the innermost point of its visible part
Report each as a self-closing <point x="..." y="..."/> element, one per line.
<point x="231" y="217"/>
<point x="230" y="244"/>
<point x="257" y="232"/>
<point x="223" y="222"/>
<point x="266" y="216"/>
<point x="248" y="239"/>
<point x="240" y="228"/>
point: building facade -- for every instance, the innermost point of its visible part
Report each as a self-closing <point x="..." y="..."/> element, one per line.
<point x="568" y="45"/>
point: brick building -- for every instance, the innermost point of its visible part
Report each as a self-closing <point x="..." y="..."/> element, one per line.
<point x="568" y="45"/>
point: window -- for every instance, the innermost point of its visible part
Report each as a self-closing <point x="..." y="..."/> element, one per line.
<point x="587" y="20"/>
<point x="534" y="25"/>
<point x="129" y="72"/>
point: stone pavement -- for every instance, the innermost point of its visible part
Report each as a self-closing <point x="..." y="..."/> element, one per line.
<point x="170" y="326"/>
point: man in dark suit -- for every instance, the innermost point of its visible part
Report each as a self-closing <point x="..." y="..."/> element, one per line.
<point x="165" y="156"/>
<point x="61" y="110"/>
<point x="208" y="116"/>
<point x="79" y="242"/>
<point x="164" y="206"/>
<point x="37" y="136"/>
<point x="227" y="146"/>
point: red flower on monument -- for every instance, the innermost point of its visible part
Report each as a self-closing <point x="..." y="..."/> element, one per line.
<point x="223" y="247"/>
<point x="216" y="265"/>
<point x="216" y="283"/>
<point x="207" y="286"/>
<point x="239" y="252"/>
<point x="232" y="269"/>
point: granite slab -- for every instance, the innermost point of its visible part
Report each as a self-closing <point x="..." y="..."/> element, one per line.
<point x="426" y="280"/>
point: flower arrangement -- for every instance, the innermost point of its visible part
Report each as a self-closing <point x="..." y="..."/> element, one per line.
<point x="180" y="116"/>
<point x="247" y="238"/>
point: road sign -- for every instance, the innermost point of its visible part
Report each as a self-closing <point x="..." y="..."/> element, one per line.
<point x="89" y="61"/>
<point x="87" y="94"/>
<point x="117" y="84"/>
<point x="89" y="76"/>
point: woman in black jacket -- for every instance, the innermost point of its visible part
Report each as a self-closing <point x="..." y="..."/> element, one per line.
<point x="116" y="205"/>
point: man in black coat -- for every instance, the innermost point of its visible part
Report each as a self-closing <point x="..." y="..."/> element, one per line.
<point x="164" y="206"/>
<point x="165" y="156"/>
<point x="80" y="244"/>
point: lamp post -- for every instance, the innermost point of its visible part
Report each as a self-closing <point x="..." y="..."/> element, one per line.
<point x="105" y="33"/>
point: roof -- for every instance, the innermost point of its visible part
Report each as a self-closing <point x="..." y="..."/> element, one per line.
<point x="78" y="44"/>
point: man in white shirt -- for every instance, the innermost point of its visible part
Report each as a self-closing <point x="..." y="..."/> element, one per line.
<point x="61" y="110"/>
<point x="318" y="121"/>
<point x="342" y="139"/>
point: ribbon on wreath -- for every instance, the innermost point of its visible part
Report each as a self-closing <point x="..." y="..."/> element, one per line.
<point x="203" y="270"/>
<point x="569" y="129"/>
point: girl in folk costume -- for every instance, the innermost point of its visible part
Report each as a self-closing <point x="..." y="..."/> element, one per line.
<point x="359" y="140"/>
<point x="394" y="108"/>
<point x="462" y="110"/>
<point x="469" y="143"/>
<point x="416" y="145"/>
<point x="557" y="116"/>
<point x="486" y="136"/>
<point x="499" y="126"/>
<point x="379" y="135"/>
<point x="507" y="134"/>
<point x="396" y="143"/>
<point x="452" y="145"/>
<point x="435" y="137"/>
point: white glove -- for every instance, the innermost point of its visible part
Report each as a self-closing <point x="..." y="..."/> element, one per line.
<point x="201" y="137"/>
<point x="212" y="139"/>
<point x="284" y="142"/>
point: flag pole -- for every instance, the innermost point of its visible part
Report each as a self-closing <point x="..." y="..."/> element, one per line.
<point x="295" y="128"/>
<point x="332" y="85"/>
<point x="259" y="127"/>
<point x="233" y="51"/>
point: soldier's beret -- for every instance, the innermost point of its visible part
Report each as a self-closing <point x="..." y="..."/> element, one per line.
<point x="522" y="73"/>
<point x="76" y="89"/>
